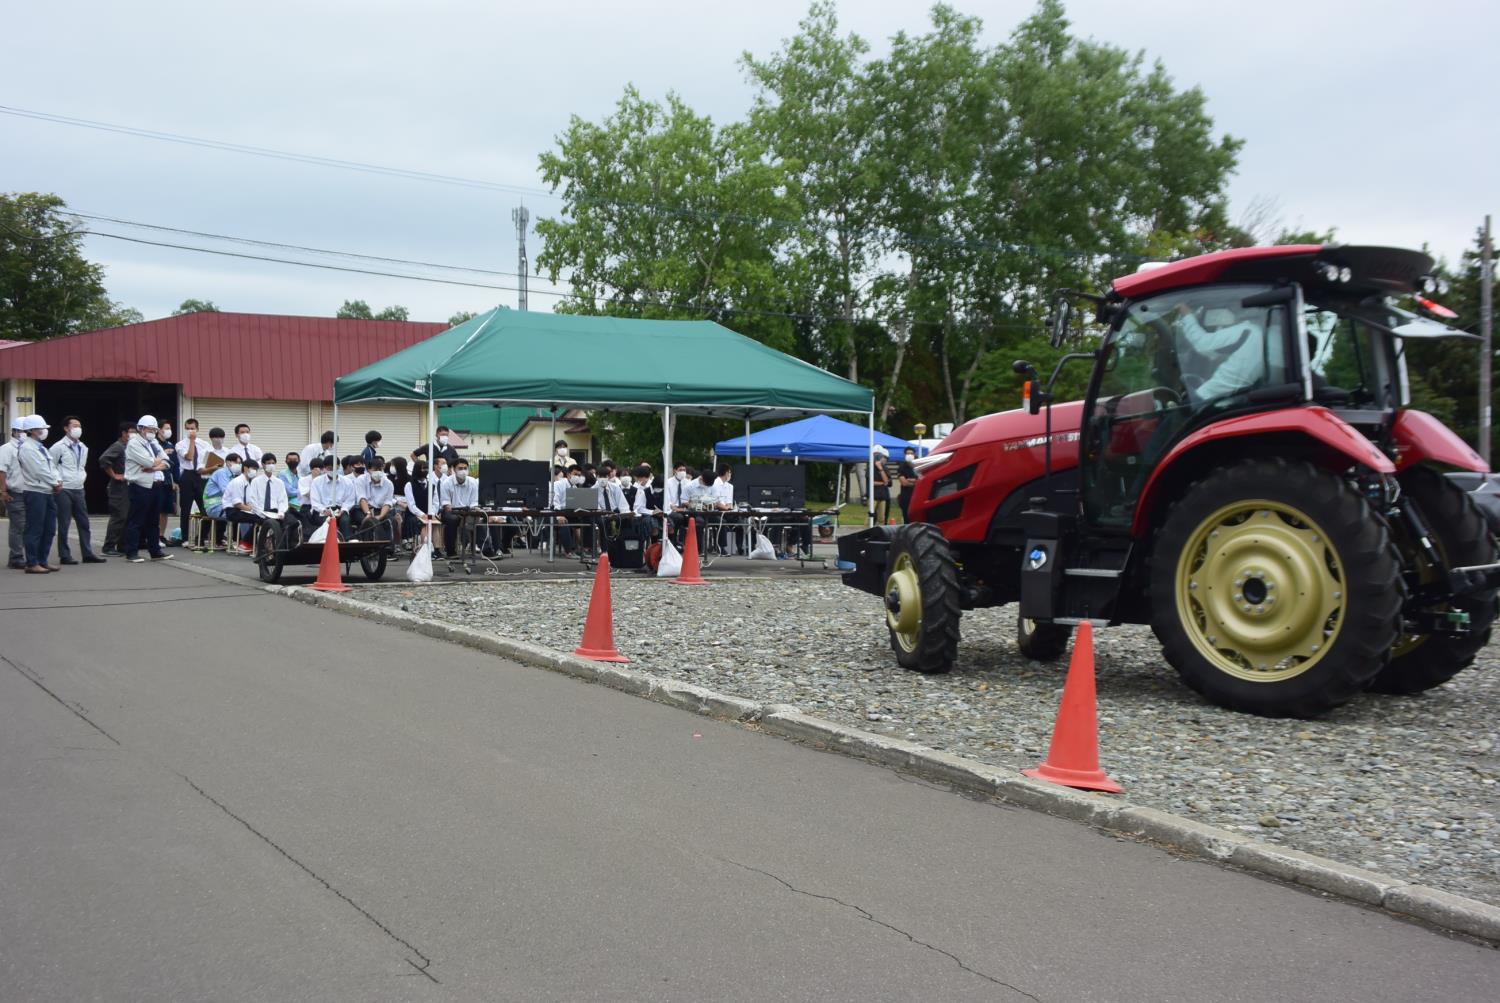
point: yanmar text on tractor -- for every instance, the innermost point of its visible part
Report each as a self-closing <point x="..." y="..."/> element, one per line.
<point x="1243" y="474"/>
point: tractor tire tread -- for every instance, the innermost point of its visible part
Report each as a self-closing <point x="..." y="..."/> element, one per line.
<point x="941" y="611"/>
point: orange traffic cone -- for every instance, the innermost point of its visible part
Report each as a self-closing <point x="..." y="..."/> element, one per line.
<point x="599" y="628"/>
<point x="691" y="573"/>
<point x="1073" y="759"/>
<point x="329" y="577"/>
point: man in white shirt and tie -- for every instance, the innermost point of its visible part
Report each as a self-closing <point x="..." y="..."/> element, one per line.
<point x="328" y="494"/>
<point x="244" y="446"/>
<point x="238" y="509"/>
<point x="145" y="466"/>
<point x="268" y="499"/>
<point x="192" y="456"/>
<point x="71" y="458"/>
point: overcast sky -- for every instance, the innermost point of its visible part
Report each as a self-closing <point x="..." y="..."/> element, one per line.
<point x="1375" y="117"/>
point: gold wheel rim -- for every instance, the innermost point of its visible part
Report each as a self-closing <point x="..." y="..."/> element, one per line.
<point x="1260" y="591"/>
<point x="903" y="603"/>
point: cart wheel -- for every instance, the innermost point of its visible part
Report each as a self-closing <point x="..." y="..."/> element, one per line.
<point x="270" y="558"/>
<point x="373" y="564"/>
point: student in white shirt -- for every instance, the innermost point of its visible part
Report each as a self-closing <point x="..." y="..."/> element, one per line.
<point x="722" y="497"/>
<point x="217" y="447"/>
<point x="71" y="457"/>
<point x="611" y="495"/>
<point x="417" y="503"/>
<point x="268" y="498"/>
<point x="561" y="481"/>
<point x="238" y="509"/>
<point x="377" y="501"/>
<point x="326" y="496"/>
<point x="458" y="492"/>
<point x="322" y="448"/>
<point x="192" y="456"/>
<point x="245" y="447"/>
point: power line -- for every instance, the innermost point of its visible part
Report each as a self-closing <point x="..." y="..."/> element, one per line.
<point x="579" y="198"/>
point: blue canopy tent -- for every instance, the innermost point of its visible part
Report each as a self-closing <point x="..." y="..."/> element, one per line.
<point x="817" y="439"/>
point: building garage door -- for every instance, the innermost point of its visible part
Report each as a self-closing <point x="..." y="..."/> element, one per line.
<point x="401" y="426"/>
<point x="275" y="426"/>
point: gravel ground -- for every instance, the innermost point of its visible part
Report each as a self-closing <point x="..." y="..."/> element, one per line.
<point x="1401" y="785"/>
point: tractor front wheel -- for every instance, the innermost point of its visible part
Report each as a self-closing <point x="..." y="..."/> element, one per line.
<point x="1462" y="538"/>
<point x="1275" y="589"/>
<point x="921" y="599"/>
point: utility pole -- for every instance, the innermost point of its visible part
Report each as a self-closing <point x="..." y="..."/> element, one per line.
<point x="1486" y="331"/>
<point x="521" y="217"/>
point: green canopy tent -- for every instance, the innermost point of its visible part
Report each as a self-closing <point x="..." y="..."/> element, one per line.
<point x="560" y="361"/>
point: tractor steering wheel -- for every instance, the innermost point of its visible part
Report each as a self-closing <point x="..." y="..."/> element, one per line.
<point x="1166" y="397"/>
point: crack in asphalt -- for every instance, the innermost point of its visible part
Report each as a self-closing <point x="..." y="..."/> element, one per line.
<point x="426" y="961"/>
<point x="866" y="914"/>
<point x="75" y="709"/>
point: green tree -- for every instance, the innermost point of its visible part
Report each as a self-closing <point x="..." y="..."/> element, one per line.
<point x="360" y="310"/>
<point x="47" y="287"/>
<point x="814" y="112"/>
<point x="195" y="306"/>
<point x="461" y="316"/>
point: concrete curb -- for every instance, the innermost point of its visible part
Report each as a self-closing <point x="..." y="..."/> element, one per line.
<point x="1439" y="908"/>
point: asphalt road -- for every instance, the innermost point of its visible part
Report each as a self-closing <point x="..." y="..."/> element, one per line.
<point x="208" y="792"/>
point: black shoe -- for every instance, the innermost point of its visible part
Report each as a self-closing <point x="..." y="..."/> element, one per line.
<point x="17" y="565"/>
<point x="112" y="552"/>
<point x="91" y="559"/>
<point x="67" y="560"/>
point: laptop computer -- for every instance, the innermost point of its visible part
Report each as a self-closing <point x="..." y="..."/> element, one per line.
<point x="582" y="498"/>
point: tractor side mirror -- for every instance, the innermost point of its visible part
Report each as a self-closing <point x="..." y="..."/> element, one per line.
<point x="1062" y="316"/>
<point x="1032" y="392"/>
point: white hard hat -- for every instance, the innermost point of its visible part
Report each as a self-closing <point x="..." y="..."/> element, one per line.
<point x="18" y="422"/>
<point x="879" y="449"/>
<point x="147" y="421"/>
<point x="33" y="422"/>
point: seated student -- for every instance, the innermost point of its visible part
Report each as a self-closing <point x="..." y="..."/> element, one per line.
<point x="238" y="509"/>
<point x="643" y="507"/>
<point x="416" y="503"/>
<point x="269" y="502"/>
<point x="611" y="493"/>
<point x="310" y="472"/>
<point x="213" y="494"/>
<point x="674" y="502"/>
<point x="459" y="492"/>
<point x="377" y="502"/>
<point x="291" y="479"/>
<point x="331" y="495"/>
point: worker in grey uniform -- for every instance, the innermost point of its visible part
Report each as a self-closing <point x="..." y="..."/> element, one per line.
<point x="10" y="492"/>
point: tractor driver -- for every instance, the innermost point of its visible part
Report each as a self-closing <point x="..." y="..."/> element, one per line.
<point x="1207" y="370"/>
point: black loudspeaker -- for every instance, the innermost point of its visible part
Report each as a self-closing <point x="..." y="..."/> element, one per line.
<point x="514" y="483"/>
<point x="627" y="551"/>
<point x="770" y="485"/>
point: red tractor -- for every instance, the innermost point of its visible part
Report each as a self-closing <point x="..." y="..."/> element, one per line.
<point x="1243" y="474"/>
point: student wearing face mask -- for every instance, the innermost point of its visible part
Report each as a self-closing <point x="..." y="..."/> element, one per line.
<point x="332" y="494"/>
<point x="192" y="457"/>
<point x="562" y="456"/>
<point x="323" y="449"/>
<point x="440" y="448"/>
<point x="561" y="481"/>
<point x="71" y="457"/>
<point x="218" y="447"/>
<point x="611" y="494"/>
<point x="213" y="494"/>
<point x="291" y="479"/>
<point x="239" y="502"/>
<point x="247" y="449"/>
<point x="459" y="492"/>
<point x="166" y="488"/>
<point x="269" y="501"/>
<point x="377" y="502"/>
<point x="416" y="503"/>
<point x="643" y="504"/>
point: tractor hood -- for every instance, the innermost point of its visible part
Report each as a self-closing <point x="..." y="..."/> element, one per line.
<point x="1008" y="427"/>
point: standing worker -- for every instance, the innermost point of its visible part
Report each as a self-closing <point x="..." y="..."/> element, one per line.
<point x="906" y="477"/>
<point x="192" y="455"/>
<point x="71" y="457"/>
<point x="40" y="486"/>
<point x="112" y="462"/>
<point x="145" y="467"/>
<point x="10" y="491"/>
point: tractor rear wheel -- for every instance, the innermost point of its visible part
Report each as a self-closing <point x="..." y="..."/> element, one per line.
<point x="1462" y="537"/>
<point x="1275" y="589"/>
<point x="921" y="599"/>
<point x="1042" y="642"/>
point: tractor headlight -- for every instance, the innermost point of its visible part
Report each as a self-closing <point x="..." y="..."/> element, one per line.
<point x="1330" y="273"/>
<point x="1345" y="274"/>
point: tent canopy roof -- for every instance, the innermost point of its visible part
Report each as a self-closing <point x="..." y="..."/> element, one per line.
<point x="604" y="363"/>
<point x="819" y="438"/>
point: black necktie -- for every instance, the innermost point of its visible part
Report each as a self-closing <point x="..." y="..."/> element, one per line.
<point x="267" y="505"/>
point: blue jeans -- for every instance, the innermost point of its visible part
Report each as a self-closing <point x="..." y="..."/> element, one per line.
<point x="41" y="526"/>
<point x="144" y="516"/>
<point x="72" y="508"/>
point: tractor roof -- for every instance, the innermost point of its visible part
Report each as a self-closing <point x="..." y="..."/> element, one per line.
<point x="1371" y="269"/>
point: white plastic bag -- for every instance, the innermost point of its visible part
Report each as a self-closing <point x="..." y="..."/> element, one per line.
<point x="763" y="550"/>
<point x="670" y="565"/>
<point x="420" y="569"/>
<point x="320" y="534"/>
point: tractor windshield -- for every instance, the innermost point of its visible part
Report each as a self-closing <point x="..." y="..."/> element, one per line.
<point x="1176" y="359"/>
<point x="1351" y="364"/>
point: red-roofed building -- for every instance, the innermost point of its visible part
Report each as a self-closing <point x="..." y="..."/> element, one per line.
<point x="274" y="373"/>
